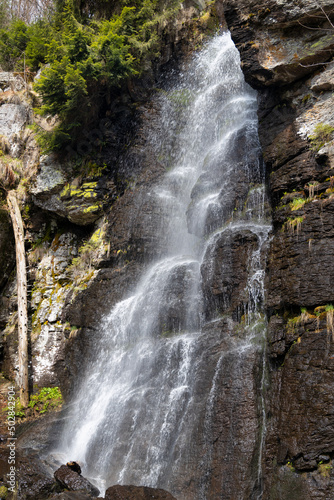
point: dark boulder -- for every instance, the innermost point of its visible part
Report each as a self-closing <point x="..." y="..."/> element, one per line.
<point x="71" y="480"/>
<point x="71" y="495"/>
<point x="119" y="492"/>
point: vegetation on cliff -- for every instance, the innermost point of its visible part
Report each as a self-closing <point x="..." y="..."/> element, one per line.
<point x="86" y="49"/>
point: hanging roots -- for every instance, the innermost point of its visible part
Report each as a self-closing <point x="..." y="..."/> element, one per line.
<point x="330" y="320"/>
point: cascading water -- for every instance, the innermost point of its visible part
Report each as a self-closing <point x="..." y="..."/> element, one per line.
<point x="172" y="351"/>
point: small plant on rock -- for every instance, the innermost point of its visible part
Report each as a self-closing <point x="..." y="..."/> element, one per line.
<point x="293" y="224"/>
<point x="323" y="133"/>
<point x="311" y="188"/>
<point x="47" y="398"/>
<point x="297" y="203"/>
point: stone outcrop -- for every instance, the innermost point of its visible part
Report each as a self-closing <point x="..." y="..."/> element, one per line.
<point x="80" y="200"/>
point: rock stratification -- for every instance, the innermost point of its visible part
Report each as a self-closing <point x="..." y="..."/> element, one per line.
<point x="282" y="46"/>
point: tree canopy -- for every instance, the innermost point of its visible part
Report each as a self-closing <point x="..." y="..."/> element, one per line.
<point x="85" y="49"/>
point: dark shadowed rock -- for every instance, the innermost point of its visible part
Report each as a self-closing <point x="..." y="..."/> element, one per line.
<point x="74" y="466"/>
<point x="72" y="495"/>
<point x="71" y="480"/>
<point x="311" y="248"/>
<point x="225" y="271"/>
<point x="119" y="492"/>
<point x="33" y="478"/>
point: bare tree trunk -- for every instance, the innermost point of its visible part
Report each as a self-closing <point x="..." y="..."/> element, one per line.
<point x="21" y="276"/>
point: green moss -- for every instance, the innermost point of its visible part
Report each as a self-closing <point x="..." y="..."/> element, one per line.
<point x="19" y="409"/>
<point x="92" y="208"/>
<point x="325" y="469"/>
<point x="89" y="185"/>
<point x="306" y="98"/>
<point x="46" y="238"/>
<point x="66" y="191"/>
<point x="3" y="492"/>
<point x="89" y="194"/>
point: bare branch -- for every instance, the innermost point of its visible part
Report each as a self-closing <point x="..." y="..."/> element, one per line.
<point x="315" y="29"/>
<point x="325" y="14"/>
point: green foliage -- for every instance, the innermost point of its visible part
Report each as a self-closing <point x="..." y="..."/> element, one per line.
<point x="85" y="61"/>
<point x="46" y="399"/>
<point x="13" y="42"/>
<point x="37" y="45"/>
<point x="323" y="133"/>
<point x="297" y="203"/>
<point x="293" y="224"/>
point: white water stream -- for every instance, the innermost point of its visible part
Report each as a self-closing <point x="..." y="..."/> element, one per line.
<point x="139" y="405"/>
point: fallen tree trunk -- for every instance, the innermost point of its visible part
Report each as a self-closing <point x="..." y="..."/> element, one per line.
<point x="22" y="306"/>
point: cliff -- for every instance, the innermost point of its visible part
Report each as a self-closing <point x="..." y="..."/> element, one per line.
<point x="282" y="46"/>
<point x="91" y="231"/>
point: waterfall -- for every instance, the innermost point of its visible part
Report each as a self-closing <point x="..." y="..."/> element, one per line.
<point x="163" y="399"/>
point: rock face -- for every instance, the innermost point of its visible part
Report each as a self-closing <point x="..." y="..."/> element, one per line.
<point x="13" y="118"/>
<point x="80" y="201"/>
<point x="136" y="493"/>
<point x="279" y="42"/>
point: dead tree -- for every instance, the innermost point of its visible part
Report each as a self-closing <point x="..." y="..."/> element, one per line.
<point x="22" y="306"/>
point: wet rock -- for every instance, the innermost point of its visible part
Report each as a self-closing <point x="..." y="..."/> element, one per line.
<point x="33" y="478"/>
<point x="80" y="201"/>
<point x="293" y="250"/>
<point x="73" y="481"/>
<point x="225" y="271"/>
<point x="40" y="434"/>
<point x="72" y="495"/>
<point x="277" y="41"/>
<point x="74" y="466"/>
<point x="119" y="492"/>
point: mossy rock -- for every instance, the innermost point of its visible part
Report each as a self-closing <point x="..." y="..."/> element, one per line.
<point x="3" y="492"/>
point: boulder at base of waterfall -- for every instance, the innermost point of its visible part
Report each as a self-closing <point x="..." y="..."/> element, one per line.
<point x="71" y="480"/>
<point x="73" y="495"/>
<point x="119" y="492"/>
